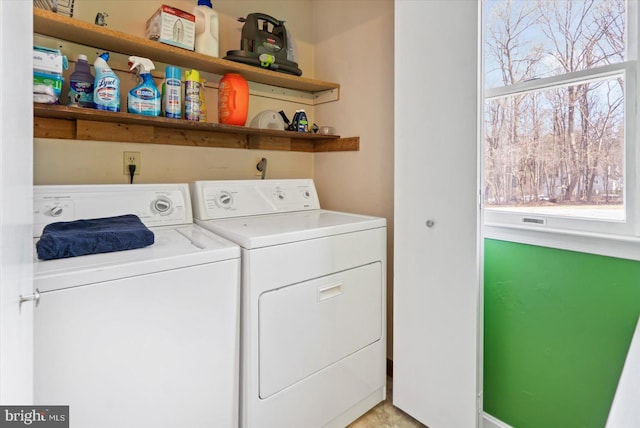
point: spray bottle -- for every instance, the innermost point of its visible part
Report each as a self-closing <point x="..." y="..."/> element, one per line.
<point x="106" y="92"/>
<point x="145" y="98"/>
<point x="192" y="95"/>
<point x="172" y="93"/>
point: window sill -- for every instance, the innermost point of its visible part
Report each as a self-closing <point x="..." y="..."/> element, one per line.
<point x="624" y="247"/>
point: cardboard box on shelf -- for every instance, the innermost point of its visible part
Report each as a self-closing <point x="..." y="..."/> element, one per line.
<point x="48" y="60"/>
<point x="172" y="26"/>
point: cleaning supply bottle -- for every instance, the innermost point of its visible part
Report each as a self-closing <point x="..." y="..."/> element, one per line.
<point x="192" y="95"/>
<point x="203" y="104"/>
<point x="233" y="100"/>
<point x="172" y="95"/>
<point x="145" y="98"/>
<point x="302" y="123"/>
<point x="81" y="84"/>
<point x="106" y="92"/>
<point x="206" y="28"/>
<point x="295" y="121"/>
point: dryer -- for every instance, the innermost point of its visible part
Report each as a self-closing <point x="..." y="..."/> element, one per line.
<point x="313" y="350"/>
<point x="138" y="338"/>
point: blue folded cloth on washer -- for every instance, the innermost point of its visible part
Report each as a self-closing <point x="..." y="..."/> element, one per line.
<point x="93" y="236"/>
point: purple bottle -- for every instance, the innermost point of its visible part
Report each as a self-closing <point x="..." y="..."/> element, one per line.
<point x="81" y="84"/>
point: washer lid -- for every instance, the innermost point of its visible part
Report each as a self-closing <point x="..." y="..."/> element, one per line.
<point x="276" y="229"/>
<point x="175" y="247"/>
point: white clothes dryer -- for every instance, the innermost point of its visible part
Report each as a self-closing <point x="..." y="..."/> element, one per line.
<point x="139" y="338"/>
<point x="313" y="350"/>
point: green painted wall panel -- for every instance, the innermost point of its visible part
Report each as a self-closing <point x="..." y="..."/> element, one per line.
<point x="557" y="328"/>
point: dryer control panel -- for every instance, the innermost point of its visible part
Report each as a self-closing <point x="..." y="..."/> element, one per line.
<point x="155" y="205"/>
<point x="235" y="198"/>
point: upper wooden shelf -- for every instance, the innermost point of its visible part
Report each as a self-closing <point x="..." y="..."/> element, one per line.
<point x="73" y="30"/>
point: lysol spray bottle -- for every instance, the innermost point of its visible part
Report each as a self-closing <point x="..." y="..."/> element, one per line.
<point x="192" y="95"/>
<point x="173" y="93"/>
<point x="106" y="91"/>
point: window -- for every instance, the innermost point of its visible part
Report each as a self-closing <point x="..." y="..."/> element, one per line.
<point x="559" y="140"/>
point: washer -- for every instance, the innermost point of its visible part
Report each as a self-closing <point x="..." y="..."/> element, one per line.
<point x="313" y="350"/>
<point x="139" y="338"/>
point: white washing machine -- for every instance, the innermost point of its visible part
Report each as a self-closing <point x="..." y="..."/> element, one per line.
<point x="312" y="306"/>
<point x="139" y="338"/>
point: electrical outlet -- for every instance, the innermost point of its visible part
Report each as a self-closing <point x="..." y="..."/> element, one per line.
<point x="131" y="158"/>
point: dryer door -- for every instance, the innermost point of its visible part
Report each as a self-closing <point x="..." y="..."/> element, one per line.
<point x="308" y="326"/>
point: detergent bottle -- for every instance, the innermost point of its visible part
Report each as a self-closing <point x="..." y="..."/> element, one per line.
<point x="81" y="84"/>
<point x="106" y="92"/>
<point x="233" y="100"/>
<point x="145" y="98"/>
<point x="206" y="28"/>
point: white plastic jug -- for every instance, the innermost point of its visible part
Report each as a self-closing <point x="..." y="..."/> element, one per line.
<point x="206" y="28"/>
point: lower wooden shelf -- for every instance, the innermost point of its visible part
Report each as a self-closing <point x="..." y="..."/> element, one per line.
<point x="53" y="121"/>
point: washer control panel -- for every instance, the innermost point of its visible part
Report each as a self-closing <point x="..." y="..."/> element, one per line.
<point x="155" y="205"/>
<point x="234" y="198"/>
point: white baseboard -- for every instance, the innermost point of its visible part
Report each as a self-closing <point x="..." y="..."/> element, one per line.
<point x="489" y="421"/>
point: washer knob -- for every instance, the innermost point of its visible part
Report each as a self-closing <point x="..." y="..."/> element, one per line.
<point x="162" y="206"/>
<point x="56" y="211"/>
<point x="224" y="200"/>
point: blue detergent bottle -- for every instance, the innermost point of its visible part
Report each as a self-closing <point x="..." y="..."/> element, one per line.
<point x="106" y="92"/>
<point x="145" y="98"/>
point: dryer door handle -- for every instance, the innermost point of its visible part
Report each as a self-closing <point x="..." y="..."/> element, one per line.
<point x="329" y="291"/>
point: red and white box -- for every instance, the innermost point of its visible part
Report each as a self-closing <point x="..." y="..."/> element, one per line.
<point x="172" y="26"/>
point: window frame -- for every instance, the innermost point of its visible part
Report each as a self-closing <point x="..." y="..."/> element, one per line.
<point x="609" y="237"/>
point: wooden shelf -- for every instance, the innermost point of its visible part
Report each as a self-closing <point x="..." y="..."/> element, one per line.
<point x="54" y="121"/>
<point x="73" y="30"/>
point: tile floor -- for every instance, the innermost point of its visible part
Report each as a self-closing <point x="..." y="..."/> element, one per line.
<point x="385" y="415"/>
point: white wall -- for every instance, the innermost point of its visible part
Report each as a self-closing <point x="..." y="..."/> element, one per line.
<point x="354" y="47"/>
<point x="16" y="147"/>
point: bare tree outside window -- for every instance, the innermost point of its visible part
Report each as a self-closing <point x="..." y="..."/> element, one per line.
<point x="559" y="148"/>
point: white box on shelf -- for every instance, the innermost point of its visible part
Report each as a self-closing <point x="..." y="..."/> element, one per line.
<point x="48" y="60"/>
<point x="172" y="26"/>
